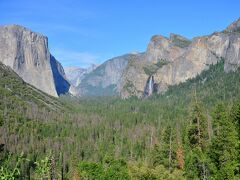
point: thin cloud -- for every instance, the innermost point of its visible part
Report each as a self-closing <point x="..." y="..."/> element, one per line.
<point x="53" y="9"/>
<point x="72" y="58"/>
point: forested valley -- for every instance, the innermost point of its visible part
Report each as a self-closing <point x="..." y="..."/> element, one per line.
<point x="190" y="132"/>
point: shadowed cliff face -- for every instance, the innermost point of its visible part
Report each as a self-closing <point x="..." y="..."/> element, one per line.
<point x="61" y="84"/>
<point x="150" y="87"/>
<point x="27" y="53"/>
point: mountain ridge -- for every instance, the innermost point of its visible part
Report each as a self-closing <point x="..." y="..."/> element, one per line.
<point x="167" y="61"/>
<point x="76" y="74"/>
<point x="170" y="60"/>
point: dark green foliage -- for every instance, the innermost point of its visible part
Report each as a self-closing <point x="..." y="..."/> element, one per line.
<point x="181" y="42"/>
<point x="91" y="170"/>
<point x="152" y="68"/>
<point x="198" y="165"/>
<point x="115" y="169"/>
<point x="197" y="160"/>
<point x="198" y="134"/>
<point x="110" y="169"/>
<point x="235" y="117"/>
<point x="165" y="153"/>
<point x="224" y="144"/>
<point x="146" y="133"/>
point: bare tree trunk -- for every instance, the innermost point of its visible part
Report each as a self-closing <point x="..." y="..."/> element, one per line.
<point x="204" y="173"/>
<point x="180" y="152"/>
<point x="199" y="133"/>
<point x="170" y="151"/>
<point x="210" y="130"/>
<point x="151" y="139"/>
<point x="131" y="151"/>
<point x="5" y="121"/>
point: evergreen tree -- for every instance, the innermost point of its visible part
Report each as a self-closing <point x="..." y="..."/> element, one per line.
<point x="224" y="144"/>
<point x="197" y="165"/>
<point x="197" y="160"/>
<point x="165" y="153"/>
<point x="235" y="117"/>
<point x="109" y="169"/>
<point x="198" y="134"/>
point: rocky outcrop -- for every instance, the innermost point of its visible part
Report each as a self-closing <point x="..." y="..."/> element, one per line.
<point x="234" y="27"/>
<point x="163" y="48"/>
<point x="27" y="53"/>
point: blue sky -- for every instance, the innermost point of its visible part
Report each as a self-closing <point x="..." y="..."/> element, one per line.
<point x="82" y="32"/>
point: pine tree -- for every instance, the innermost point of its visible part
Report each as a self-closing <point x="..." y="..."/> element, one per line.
<point x="197" y="161"/>
<point x="198" y="134"/>
<point x="235" y="117"/>
<point x="165" y="153"/>
<point x="224" y="144"/>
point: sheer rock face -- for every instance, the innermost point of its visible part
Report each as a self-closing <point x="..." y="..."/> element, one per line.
<point x="27" y="53"/>
<point x="185" y="59"/>
<point x="233" y="53"/>
<point x="168" y="61"/>
<point x="61" y="84"/>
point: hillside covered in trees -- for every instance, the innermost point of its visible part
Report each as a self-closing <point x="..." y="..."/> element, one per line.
<point x="190" y="132"/>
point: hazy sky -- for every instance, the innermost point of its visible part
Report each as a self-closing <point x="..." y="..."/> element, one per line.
<point x="82" y="32"/>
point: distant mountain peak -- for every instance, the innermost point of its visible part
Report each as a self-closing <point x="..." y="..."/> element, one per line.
<point x="76" y="74"/>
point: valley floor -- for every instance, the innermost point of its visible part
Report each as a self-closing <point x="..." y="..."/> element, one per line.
<point x="190" y="132"/>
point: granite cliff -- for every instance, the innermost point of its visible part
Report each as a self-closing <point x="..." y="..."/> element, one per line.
<point x="27" y="53"/>
<point x="167" y="61"/>
<point x="175" y="59"/>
